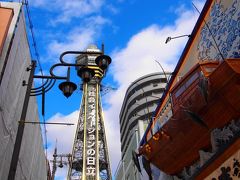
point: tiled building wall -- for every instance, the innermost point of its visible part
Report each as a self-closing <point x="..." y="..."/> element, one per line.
<point x="224" y="28"/>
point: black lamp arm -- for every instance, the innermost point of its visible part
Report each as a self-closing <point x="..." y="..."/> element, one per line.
<point x="40" y="87"/>
<point x="49" y="77"/>
<point x="46" y="88"/>
<point x="188" y="35"/>
<point x="68" y="74"/>
<point x="77" y="52"/>
<point x="64" y="64"/>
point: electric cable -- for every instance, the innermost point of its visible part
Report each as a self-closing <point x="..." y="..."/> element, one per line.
<point x="34" y="44"/>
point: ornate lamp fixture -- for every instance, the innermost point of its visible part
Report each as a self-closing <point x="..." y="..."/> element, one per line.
<point x="170" y="38"/>
<point x="103" y="61"/>
<point x="67" y="87"/>
<point x="86" y="74"/>
<point x="61" y="164"/>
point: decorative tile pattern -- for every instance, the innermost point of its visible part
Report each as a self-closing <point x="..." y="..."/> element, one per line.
<point x="222" y="30"/>
<point x="230" y="171"/>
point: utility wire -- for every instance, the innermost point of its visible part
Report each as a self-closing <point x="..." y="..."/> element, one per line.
<point x="33" y="36"/>
<point x="34" y="44"/>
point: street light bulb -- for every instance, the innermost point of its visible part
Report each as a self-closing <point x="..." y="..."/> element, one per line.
<point x="61" y="165"/>
<point x="86" y="74"/>
<point x="103" y="61"/>
<point x="67" y="88"/>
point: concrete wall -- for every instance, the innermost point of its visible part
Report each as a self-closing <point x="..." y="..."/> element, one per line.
<point x="13" y="64"/>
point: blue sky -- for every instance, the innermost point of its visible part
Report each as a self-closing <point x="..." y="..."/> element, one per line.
<point x="134" y="34"/>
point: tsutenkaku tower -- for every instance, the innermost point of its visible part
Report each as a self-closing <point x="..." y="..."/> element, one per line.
<point x="90" y="160"/>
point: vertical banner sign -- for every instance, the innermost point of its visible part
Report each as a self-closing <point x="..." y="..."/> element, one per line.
<point x="91" y="141"/>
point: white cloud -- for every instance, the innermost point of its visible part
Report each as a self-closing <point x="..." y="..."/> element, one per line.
<point x="78" y="38"/>
<point x="64" y="136"/>
<point x="67" y="132"/>
<point x="113" y="133"/>
<point x="112" y="9"/>
<point x="76" y="8"/>
<point x="67" y="10"/>
<point x="38" y="3"/>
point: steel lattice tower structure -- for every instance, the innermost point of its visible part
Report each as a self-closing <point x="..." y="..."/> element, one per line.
<point x="90" y="159"/>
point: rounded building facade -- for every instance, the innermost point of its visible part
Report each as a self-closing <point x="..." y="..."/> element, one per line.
<point x="140" y="101"/>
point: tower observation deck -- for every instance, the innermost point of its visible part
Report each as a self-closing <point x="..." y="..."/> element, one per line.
<point x="90" y="159"/>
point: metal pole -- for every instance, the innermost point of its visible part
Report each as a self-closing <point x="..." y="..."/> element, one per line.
<point x="135" y="168"/>
<point x="97" y="133"/>
<point x="136" y="131"/>
<point x="85" y="96"/>
<point x="20" y="131"/>
<point x="54" y="123"/>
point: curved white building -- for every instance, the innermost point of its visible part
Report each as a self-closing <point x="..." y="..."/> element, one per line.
<point x="139" y="104"/>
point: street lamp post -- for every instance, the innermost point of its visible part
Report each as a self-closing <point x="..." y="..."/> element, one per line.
<point x="20" y="130"/>
<point x="89" y="154"/>
<point x="170" y="38"/>
<point x="67" y="87"/>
